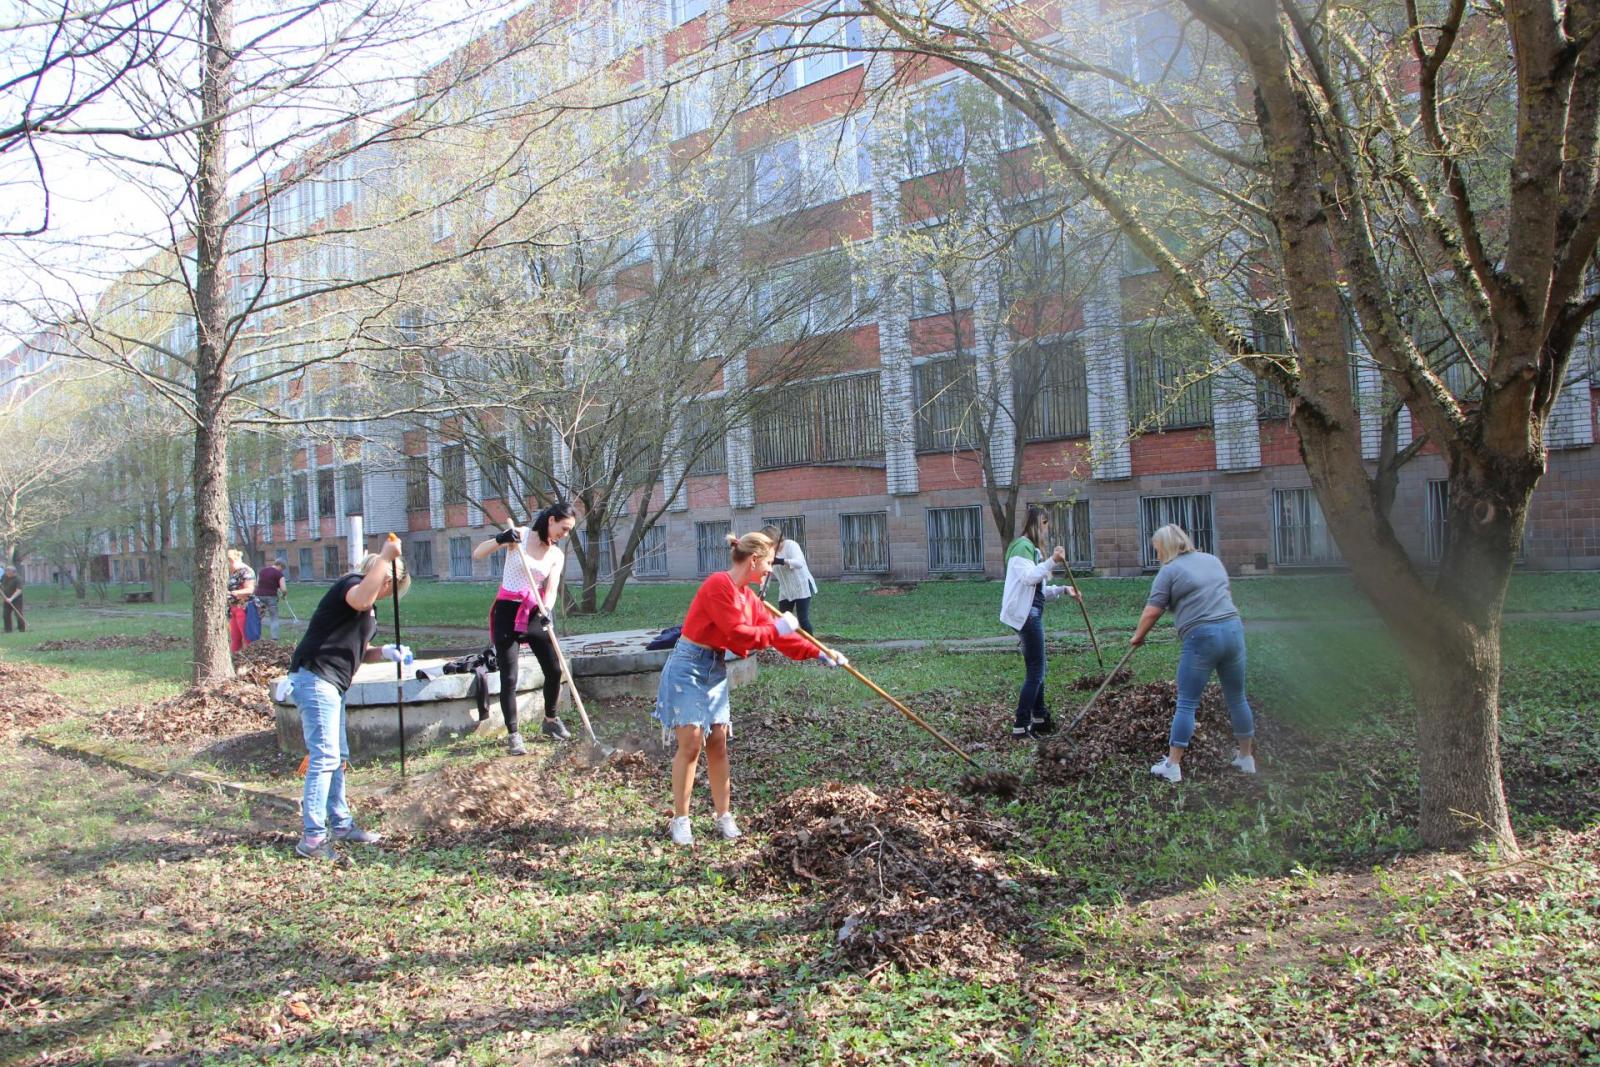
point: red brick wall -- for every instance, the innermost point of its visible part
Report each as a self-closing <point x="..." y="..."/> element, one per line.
<point x="1280" y="445"/>
<point x="707" y="491"/>
<point x="1174" y="451"/>
<point x="949" y="470"/>
<point x="818" y="483"/>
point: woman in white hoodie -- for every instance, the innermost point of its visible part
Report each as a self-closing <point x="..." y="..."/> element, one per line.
<point x="1022" y="609"/>
<point x="795" y="584"/>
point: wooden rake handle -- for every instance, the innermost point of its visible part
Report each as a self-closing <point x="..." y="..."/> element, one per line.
<point x="892" y="702"/>
<point x="1078" y="596"/>
<point x="1121" y="663"/>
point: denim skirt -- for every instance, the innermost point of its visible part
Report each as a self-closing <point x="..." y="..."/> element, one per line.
<point x="693" y="689"/>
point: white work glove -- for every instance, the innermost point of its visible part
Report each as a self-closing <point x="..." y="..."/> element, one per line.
<point x="400" y="654"/>
<point x="833" y="659"/>
<point x="786" y="623"/>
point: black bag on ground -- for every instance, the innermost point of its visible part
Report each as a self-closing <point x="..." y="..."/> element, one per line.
<point x="665" y="639"/>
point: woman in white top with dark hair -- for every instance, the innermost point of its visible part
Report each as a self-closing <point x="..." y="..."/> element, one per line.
<point x="522" y="608"/>
<point x="796" y="587"/>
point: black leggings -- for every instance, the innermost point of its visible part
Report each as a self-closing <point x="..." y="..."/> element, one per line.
<point x="502" y="631"/>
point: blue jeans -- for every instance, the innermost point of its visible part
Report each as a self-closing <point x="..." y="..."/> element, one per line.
<point x="1212" y="646"/>
<point x="322" y="804"/>
<point x="1030" y="702"/>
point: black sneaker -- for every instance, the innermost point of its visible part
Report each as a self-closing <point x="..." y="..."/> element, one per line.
<point x="1023" y="733"/>
<point x="554" y="727"/>
<point x="1043" y="727"/>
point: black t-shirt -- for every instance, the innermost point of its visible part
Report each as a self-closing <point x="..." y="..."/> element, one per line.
<point x="336" y="637"/>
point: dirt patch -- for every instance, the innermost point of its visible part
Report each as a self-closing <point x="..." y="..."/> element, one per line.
<point x="146" y="642"/>
<point x="499" y="797"/>
<point x="890" y="590"/>
<point x="24" y="702"/>
<point x="1088" y="682"/>
<point x="1129" y="725"/>
<point x="199" y="712"/>
<point x="262" y="662"/>
<point x="911" y="877"/>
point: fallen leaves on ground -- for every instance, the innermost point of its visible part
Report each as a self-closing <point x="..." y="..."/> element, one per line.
<point x="912" y="877"/>
<point x="499" y="796"/>
<point x="262" y="662"/>
<point x="199" y="712"/>
<point x="24" y="702"/>
<point x="145" y="642"/>
<point x="1087" y="682"/>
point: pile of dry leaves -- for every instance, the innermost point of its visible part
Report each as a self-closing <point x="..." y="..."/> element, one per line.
<point x="912" y="877"/>
<point x="24" y="702"/>
<point x="145" y="642"/>
<point x="262" y="662"/>
<point x="217" y="711"/>
<point x="1129" y="725"/>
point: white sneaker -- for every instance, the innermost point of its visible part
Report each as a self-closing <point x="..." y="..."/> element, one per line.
<point x="1244" y="764"/>
<point x="727" y="827"/>
<point x="682" y="832"/>
<point x="1168" y="770"/>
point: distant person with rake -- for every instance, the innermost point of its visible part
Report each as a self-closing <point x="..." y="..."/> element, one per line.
<point x="796" y="587"/>
<point x="726" y="615"/>
<point x="1022" y="608"/>
<point x="337" y="640"/>
<point x="521" y="613"/>
<point x="1194" y="585"/>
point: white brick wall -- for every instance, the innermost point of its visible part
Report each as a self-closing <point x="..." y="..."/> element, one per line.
<point x="1571" y="424"/>
<point x="894" y="332"/>
<point x="1234" y="419"/>
<point x="1106" y="371"/>
<point x="993" y="369"/>
<point x="741" y="443"/>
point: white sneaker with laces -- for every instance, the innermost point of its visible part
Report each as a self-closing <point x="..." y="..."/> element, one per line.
<point x="1244" y="764"/>
<point x="727" y="827"/>
<point x="1168" y="770"/>
<point x="682" y="832"/>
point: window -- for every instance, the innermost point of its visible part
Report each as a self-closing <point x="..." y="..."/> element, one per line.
<point x="495" y="466"/>
<point x="300" y="501"/>
<point x="942" y="281"/>
<point x="1192" y="513"/>
<point x="1036" y="262"/>
<point x="936" y="135"/>
<point x="607" y="561"/>
<point x="453" y="474"/>
<point x="684" y="10"/>
<point x="711" y="545"/>
<point x="461" y="557"/>
<point x="1069" y="528"/>
<point x="955" y="539"/>
<point x="792" y="56"/>
<point x="327" y="503"/>
<point x="1438" y="533"/>
<point x="775" y="171"/>
<point x="689" y="104"/>
<point x="1169" y="376"/>
<point x="865" y="539"/>
<point x="1160" y="52"/>
<point x="628" y="26"/>
<point x="817" y="295"/>
<point x="275" y="499"/>
<point x="703" y="438"/>
<point x="352" y="489"/>
<point x="1299" y="533"/>
<point x="1050" y="390"/>
<point x="830" y="421"/>
<point x="305" y="565"/>
<point x="330" y="561"/>
<point x="417" y="483"/>
<point x="1270" y="338"/>
<point x="420" y="553"/>
<point x="793" y="527"/>
<point x="945" y="396"/>
<point x="650" y="558"/>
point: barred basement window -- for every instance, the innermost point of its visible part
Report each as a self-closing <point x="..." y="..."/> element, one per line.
<point x="865" y="539"/>
<point x="704" y="438"/>
<point x="829" y="421"/>
<point x="793" y="527"/>
<point x="1069" y="528"/>
<point x="1438" y="518"/>
<point x="650" y="559"/>
<point x="330" y="561"/>
<point x="607" y="554"/>
<point x="420" y="553"/>
<point x="711" y="545"/>
<point x="417" y="483"/>
<point x="305" y="565"/>
<point x="1050" y="390"/>
<point x="955" y="539"/>
<point x="1192" y="513"/>
<point x="1299" y="533"/>
<point x="461" y="557"/>
<point x="1169" y="383"/>
<point x="946" y="404"/>
<point x="352" y="489"/>
<point x="453" y="474"/>
<point x="326" y="502"/>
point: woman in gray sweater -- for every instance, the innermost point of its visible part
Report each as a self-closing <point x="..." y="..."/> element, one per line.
<point x="1195" y="586"/>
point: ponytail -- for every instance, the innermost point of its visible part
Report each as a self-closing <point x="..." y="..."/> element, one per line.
<point x="557" y="511"/>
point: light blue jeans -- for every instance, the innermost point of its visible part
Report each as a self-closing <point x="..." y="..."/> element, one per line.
<point x="322" y="804"/>
<point x="1212" y="646"/>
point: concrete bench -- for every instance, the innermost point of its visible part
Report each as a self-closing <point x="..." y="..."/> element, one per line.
<point x="139" y="596"/>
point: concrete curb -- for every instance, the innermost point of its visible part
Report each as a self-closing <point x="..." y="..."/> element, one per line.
<point x="149" y="769"/>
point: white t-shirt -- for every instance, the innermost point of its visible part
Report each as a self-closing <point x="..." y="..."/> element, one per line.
<point x="514" y="576"/>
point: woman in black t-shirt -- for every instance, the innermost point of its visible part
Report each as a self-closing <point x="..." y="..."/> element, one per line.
<point x="337" y="640"/>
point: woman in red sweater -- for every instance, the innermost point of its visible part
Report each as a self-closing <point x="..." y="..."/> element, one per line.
<point x="726" y="616"/>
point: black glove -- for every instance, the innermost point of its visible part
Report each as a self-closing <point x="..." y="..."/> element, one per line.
<point x="779" y="561"/>
<point x="508" y="537"/>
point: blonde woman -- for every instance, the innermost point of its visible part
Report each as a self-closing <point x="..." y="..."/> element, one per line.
<point x="241" y="587"/>
<point x="1194" y="585"/>
<point x="725" y="616"/>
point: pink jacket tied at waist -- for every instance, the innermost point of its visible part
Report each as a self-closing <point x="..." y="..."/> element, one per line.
<point x="528" y="601"/>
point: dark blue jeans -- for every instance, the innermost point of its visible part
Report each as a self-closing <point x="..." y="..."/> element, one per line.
<point x="1030" y="702"/>
<point x="1207" y="647"/>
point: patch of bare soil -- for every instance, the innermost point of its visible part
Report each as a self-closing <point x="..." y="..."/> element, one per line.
<point x="218" y="711"/>
<point x="145" y="642"/>
<point x="1131" y="724"/>
<point x="911" y="877"/>
<point x="24" y="702"/>
<point x="1085" y="683"/>
<point x="890" y="590"/>
<point x="262" y="662"/>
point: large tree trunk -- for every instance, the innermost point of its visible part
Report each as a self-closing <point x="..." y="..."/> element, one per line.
<point x="211" y="660"/>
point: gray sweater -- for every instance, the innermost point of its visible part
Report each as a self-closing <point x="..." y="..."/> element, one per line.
<point x="1194" y="586"/>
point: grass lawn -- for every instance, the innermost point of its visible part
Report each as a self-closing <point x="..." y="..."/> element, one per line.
<point x="1286" y="919"/>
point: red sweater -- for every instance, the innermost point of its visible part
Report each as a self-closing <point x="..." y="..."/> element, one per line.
<point x="726" y="617"/>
